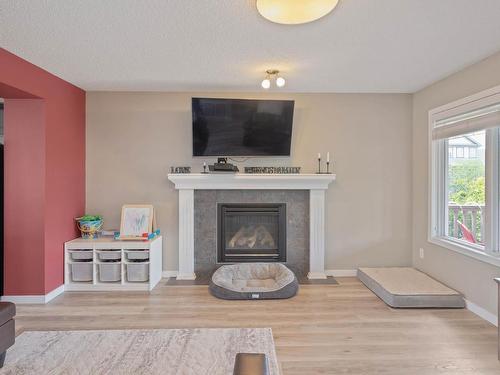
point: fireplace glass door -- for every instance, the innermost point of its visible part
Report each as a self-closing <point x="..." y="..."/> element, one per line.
<point x="251" y="232"/>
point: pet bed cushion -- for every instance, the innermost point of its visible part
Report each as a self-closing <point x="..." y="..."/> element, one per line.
<point x="408" y="287"/>
<point x="253" y="281"/>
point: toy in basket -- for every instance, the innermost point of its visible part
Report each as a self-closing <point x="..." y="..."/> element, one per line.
<point x="89" y="225"/>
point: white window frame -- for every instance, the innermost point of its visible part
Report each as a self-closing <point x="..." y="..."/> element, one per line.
<point x="437" y="199"/>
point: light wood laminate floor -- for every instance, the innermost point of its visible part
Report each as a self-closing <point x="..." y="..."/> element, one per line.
<point x="326" y="329"/>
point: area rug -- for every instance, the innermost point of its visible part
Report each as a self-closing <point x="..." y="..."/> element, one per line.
<point x="161" y="351"/>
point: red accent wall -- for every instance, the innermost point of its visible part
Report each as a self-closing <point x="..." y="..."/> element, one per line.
<point x="25" y="195"/>
<point x="44" y="173"/>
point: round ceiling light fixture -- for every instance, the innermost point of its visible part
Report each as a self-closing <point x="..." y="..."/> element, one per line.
<point x="266" y="83"/>
<point x="272" y="75"/>
<point x="280" y="81"/>
<point x="294" y="12"/>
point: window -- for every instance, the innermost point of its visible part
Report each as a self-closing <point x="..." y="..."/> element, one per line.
<point x="465" y="193"/>
<point x="454" y="152"/>
<point x="466" y="152"/>
<point x="464" y="176"/>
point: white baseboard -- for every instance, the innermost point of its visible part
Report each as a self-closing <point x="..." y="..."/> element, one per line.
<point x="166" y="274"/>
<point x="34" y="299"/>
<point x="56" y="292"/>
<point x="482" y="313"/>
<point x="341" y="273"/>
<point x="186" y="276"/>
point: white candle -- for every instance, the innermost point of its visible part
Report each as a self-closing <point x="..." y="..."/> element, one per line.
<point x="204" y="164"/>
<point x="319" y="155"/>
<point x="328" y="157"/>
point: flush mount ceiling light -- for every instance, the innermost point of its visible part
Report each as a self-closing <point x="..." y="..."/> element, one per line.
<point x="273" y="75"/>
<point x="294" y="12"/>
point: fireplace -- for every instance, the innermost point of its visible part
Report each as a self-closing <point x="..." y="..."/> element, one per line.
<point x="251" y="233"/>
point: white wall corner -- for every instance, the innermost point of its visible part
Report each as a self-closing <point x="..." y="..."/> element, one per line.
<point x="34" y="299"/>
<point x="481" y="312"/>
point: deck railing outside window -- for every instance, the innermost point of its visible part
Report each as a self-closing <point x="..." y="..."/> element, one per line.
<point x="471" y="216"/>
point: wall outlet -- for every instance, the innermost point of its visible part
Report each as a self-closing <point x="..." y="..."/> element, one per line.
<point x="421" y="252"/>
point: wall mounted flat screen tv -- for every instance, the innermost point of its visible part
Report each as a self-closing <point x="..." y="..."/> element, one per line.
<point x="242" y="127"/>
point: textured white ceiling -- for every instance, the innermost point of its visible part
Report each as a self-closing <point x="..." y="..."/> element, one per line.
<point x="170" y="45"/>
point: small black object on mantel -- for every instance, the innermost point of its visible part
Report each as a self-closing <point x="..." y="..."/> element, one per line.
<point x="217" y="168"/>
<point x="223" y="166"/>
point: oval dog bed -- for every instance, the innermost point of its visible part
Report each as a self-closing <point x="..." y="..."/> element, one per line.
<point x="254" y="281"/>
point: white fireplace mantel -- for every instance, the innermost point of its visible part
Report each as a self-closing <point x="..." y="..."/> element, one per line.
<point x="315" y="183"/>
<point x="250" y="181"/>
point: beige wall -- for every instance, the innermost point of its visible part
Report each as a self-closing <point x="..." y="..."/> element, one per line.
<point x="472" y="277"/>
<point x="134" y="138"/>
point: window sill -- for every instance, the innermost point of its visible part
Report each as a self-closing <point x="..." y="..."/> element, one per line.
<point x="466" y="250"/>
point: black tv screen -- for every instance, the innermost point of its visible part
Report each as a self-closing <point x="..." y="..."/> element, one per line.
<point x="242" y="127"/>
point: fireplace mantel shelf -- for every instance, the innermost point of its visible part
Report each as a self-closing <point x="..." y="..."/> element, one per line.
<point x="317" y="184"/>
<point x="251" y="181"/>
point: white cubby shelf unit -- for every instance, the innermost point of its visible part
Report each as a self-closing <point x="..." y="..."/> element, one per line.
<point x="95" y="249"/>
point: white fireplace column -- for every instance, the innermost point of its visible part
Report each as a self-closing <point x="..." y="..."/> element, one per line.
<point x="316" y="234"/>
<point x="186" y="235"/>
<point x="188" y="183"/>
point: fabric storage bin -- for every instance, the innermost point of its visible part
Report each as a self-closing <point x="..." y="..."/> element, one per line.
<point x="109" y="255"/>
<point x="109" y="272"/>
<point x="138" y="255"/>
<point x="81" y="254"/>
<point x="82" y="271"/>
<point x="138" y="272"/>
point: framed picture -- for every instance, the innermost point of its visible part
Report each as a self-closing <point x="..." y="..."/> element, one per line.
<point x="137" y="219"/>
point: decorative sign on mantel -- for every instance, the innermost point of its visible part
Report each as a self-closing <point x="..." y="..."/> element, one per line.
<point x="180" y="169"/>
<point x="273" y="170"/>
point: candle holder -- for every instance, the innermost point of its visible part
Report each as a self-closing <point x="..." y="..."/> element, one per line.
<point x="205" y="168"/>
<point x="319" y="165"/>
<point x="327" y="167"/>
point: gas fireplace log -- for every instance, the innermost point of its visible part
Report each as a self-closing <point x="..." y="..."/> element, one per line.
<point x="249" y="237"/>
<point x="265" y="238"/>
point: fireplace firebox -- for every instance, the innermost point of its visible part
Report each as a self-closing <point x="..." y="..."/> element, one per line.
<point x="251" y="233"/>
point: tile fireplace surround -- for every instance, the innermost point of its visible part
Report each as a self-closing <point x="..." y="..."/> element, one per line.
<point x="314" y="183"/>
<point x="206" y="226"/>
